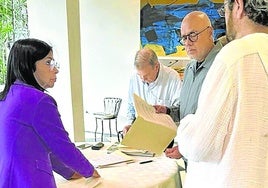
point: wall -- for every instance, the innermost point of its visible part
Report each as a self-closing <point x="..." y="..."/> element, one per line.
<point x="109" y="40"/>
<point x="47" y="21"/>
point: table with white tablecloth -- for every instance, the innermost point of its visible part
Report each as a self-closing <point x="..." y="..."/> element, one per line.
<point x="162" y="172"/>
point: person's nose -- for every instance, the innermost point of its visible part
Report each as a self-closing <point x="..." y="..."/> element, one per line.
<point x="56" y="70"/>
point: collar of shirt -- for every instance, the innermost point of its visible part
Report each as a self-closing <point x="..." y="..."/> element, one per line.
<point x="198" y="64"/>
<point x="208" y="60"/>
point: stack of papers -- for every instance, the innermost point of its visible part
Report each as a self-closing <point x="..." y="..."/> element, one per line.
<point x="134" y="152"/>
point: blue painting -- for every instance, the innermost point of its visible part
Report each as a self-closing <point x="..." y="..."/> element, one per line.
<point x="160" y="24"/>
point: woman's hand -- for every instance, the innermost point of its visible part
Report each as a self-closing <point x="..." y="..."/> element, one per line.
<point x="96" y="174"/>
<point x="76" y="176"/>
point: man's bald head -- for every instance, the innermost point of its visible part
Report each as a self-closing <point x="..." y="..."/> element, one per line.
<point x="198" y="18"/>
<point x="197" y="35"/>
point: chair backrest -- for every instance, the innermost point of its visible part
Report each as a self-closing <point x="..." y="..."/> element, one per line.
<point x="112" y="105"/>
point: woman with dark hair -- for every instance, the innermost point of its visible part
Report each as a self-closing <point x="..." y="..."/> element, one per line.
<point x="33" y="141"/>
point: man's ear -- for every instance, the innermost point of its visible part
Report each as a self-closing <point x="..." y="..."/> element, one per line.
<point x="157" y="65"/>
<point x="211" y="31"/>
<point x="238" y="8"/>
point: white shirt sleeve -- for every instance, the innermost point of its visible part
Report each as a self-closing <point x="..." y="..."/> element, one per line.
<point x="201" y="136"/>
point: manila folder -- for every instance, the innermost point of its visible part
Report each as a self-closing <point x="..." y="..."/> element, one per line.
<point x="150" y="131"/>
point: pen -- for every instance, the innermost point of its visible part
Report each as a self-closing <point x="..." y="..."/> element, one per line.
<point x="143" y="162"/>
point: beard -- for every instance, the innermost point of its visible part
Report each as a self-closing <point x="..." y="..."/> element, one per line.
<point x="230" y="30"/>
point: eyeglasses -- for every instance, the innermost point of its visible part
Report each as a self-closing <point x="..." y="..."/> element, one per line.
<point x="192" y="36"/>
<point x="52" y="64"/>
<point x="221" y="10"/>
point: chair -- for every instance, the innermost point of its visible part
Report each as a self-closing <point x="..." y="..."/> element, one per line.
<point x="111" y="110"/>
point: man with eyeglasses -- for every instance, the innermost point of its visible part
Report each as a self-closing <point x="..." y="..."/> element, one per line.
<point x="226" y="139"/>
<point x="197" y="37"/>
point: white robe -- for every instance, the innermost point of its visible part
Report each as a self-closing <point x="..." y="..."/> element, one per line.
<point x="226" y="140"/>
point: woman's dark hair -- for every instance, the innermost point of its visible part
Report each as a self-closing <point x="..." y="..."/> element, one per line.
<point x="256" y="10"/>
<point x="21" y="62"/>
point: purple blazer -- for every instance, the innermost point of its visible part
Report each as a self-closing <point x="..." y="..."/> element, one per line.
<point x="33" y="141"/>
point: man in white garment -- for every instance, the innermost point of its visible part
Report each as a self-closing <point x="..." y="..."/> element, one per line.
<point x="154" y="83"/>
<point x="226" y="140"/>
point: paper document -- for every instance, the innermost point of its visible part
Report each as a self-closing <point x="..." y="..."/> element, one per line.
<point x="150" y="131"/>
<point x="106" y="160"/>
<point x="135" y="152"/>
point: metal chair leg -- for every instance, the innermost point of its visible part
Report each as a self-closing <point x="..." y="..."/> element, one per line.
<point x="110" y="128"/>
<point x="96" y="129"/>
<point x="102" y="130"/>
<point x="116" y="125"/>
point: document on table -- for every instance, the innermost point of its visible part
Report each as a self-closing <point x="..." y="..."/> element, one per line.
<point x="92" y="182"/>
<point x="77" y="183"/>
<point x="135" y="152"/>
<point x="106" y="160"/>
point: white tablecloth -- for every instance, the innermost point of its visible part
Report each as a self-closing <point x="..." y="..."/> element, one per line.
<point x="161" y="173"/>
